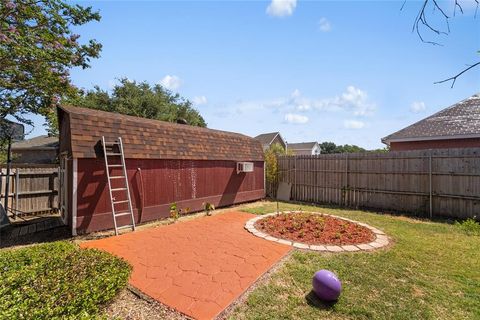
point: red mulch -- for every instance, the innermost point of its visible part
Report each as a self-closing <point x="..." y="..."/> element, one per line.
<point x="316" y="229"/>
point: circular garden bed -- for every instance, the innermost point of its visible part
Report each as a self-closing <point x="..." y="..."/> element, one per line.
<point x="316" y="231"/>
<point x="314" y="228"/>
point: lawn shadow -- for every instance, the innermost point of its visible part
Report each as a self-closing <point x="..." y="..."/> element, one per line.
<point x="36" y="230"/>
<point x="314" y="301"/>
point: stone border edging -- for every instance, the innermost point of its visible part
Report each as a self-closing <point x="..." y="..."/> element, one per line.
<point x="381" y="239"/>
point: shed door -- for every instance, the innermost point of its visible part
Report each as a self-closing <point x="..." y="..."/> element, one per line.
<point x="63" y="180"/>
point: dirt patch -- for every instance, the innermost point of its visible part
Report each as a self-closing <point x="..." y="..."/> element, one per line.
<point x="315" y="229"/>
<point x="134" y="306"/>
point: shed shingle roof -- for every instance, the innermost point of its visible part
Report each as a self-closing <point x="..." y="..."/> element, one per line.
<point x="153" y="139"/>
<point x="457" y="121"/>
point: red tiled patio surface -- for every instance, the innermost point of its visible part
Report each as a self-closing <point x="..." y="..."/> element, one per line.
<point x="199" y="267"/>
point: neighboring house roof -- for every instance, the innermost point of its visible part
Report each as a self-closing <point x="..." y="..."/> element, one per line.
<point x="152" y="139"/>
<point x="302" y="145"/>
<point x="461" y="120"/>
<point x="15" y="131"/>
<point x="38" y="143"/>
<point x="267" y="138"/>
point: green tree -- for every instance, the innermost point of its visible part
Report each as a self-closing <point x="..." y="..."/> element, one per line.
<point x="271" y="161"/>
<point x="141" y="100"/>
<point x="347" y="148"/>
<point x="37" y="50"/>
<point x="327" y="147"/>
<point x="330" y="147"/>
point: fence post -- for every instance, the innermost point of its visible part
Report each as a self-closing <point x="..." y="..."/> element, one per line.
<point x="17" y="182"/>
<point x="346" y="180"/>
<point x="295" y="177"/>
<point x="430" y="182"/>
<point x="1" y="185"/>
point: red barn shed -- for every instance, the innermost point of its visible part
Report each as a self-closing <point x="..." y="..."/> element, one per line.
<point x="165" y="162"/>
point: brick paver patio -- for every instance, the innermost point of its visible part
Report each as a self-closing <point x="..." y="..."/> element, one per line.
<point x="199" y="267"/>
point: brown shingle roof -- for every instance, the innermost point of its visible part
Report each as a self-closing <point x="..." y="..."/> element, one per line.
<point x="457" y="121"/>
<point x="153" y="139"/>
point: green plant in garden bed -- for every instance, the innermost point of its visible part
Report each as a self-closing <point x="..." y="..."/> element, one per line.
<point x="58" y="281"/>
<point x="430" y="272"/>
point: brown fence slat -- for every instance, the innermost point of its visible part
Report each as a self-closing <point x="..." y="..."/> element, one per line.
<point x="33" y="189"/>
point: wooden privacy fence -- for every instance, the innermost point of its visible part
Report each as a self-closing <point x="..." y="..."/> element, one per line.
<point x="33" y="189"/>
<point x="428" y="182"/>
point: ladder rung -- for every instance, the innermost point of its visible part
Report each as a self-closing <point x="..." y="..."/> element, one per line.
<point x="107" y="143"/>
<point x="113" y="154"/>
<point x="122" y="214"/>
<point x="119" y="189"/>
<point x="117" y="177"/>
<point x="125" y="227"/>
<point x="121" y="201"/>
<point x="115" y="165"/>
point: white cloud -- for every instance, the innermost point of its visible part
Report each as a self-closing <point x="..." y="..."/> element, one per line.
<point x="297" y="108"/>
<point x="353" y="100"/>
<point x="199" y="100"/>
<point x="171" y="82"/>
<point x="281" y="8"/>
<point x="295" y="94"/>
<point x="296" y="118"/>
<point x="418" y="107"/>
<point x="353" y="124"/>
<point x="324" y="25"/>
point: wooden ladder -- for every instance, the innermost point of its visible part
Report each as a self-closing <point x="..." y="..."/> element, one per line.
<point x="112" y="150"/>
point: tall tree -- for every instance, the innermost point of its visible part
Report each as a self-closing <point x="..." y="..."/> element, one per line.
<point x="327" y="147"/>
<point x="142" y="100"/>
<point x="330" y="147"/>
<point x="423" y="21"/>
<point x="37" y="50"/>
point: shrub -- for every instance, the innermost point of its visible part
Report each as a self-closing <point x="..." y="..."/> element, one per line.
<point x="208" y="207"/>
<point x="58" y="281"/>
<point x="174" y="211"/>
<point x="469" y="226"/>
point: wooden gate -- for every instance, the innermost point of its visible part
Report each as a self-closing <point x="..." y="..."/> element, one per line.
<point x="33" y="189"/>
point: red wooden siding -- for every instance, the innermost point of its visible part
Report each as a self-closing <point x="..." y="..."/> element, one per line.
<point x="435" y="144"/>
<point x="158" y="184"/>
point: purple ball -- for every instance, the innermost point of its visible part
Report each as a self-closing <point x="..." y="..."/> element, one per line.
<point x="326" y="285"/>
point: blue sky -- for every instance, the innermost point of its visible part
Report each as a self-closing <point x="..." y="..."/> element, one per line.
<point x="342" y="71"/>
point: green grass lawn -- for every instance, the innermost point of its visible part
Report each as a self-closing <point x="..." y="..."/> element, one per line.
<point x="432" y="271"/>
<point x="58" y="281"/>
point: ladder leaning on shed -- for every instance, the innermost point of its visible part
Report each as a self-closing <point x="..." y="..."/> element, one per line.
<point x="112" y="150"/>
